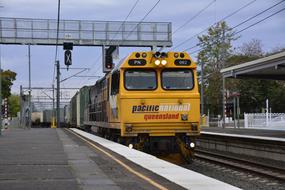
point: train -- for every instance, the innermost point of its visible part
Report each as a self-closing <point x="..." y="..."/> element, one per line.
<point x="149" y="101"/>
<point x="44" y="118"/>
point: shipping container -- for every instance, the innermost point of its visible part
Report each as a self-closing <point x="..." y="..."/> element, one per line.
<point x="84" y="99"/>
<point x="67" y="115"/>
<point x="73" y="110"/>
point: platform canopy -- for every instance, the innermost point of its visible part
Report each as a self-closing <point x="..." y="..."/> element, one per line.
<point x="85" y="33"/>
<point x="271" y="67"/>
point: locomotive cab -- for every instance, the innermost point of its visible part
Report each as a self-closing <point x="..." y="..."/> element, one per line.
<point x="154" y="99"/>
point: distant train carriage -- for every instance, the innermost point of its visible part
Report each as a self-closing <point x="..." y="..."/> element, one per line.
<point x="73" y="111"/>
<point x="150" y="101"/>
<point x="67" y="115"/>
<point x="78" y="105"/>
<point x="84" y="100"/>
<point x="48" y="115"/>
<point x="47" y="118"/>
<point x="36" y="118"/>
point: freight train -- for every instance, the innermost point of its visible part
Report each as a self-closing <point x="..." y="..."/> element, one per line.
<point x="149" y="101"/>
<point x="44" y="118"/>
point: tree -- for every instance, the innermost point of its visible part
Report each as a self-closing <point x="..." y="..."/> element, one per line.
<point x="7" y="81"/>
<point x="216" y="48"/>
<point x="254" y="92"/>
<point x="14" y="104"/>
<point x="252" y="48"/>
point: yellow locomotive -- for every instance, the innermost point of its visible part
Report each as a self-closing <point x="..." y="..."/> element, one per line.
<point x="150" y="101"/>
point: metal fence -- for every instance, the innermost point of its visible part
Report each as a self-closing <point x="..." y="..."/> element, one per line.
<point x="264" y="120"/>
<point x="98" y="33"/>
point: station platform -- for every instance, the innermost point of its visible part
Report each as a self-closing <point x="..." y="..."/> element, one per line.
<point x="249" y="132"/>
<point x="57" y="159"/>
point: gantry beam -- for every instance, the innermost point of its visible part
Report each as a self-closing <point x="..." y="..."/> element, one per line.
<point x="85" y="33"/>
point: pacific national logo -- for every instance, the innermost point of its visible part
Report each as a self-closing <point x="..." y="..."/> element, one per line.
<point x="160" y="108"/>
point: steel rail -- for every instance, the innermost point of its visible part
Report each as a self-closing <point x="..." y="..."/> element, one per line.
<point x="242" y="164"/>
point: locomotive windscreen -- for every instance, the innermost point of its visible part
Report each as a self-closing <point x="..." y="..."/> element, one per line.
<point x="140" y="79"/>
<point x="181" y="79"/>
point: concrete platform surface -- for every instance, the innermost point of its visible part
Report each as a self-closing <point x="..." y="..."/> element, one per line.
<point x="176" y="174"/>
<point x="246" y="131"/>
<point x="34" y="159"/>
<point x="55" y="159"/>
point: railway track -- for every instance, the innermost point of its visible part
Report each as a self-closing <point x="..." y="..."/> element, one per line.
<point x="242" y="164"/>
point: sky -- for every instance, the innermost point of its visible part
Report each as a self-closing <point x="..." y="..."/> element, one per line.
<point x="15" y="57"/>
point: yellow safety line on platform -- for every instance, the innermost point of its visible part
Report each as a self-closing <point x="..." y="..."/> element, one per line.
<point x="122" y="163"/>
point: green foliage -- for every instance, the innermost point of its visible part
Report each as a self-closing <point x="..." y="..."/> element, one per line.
<point x="216" y="48"/>
<point x="216" y="53"/>
<point x="14" y="104"/>
<point x="7" y="81"/>
<point x="254" y="92"/>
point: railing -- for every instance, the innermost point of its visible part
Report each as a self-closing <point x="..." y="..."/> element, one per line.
<point x="264" y="120"/>
<point x="96" y="33"/>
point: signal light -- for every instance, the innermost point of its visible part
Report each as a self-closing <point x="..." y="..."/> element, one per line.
<point x="67" y="58"/>
<point x="108" y="62"/>
<point x="182" y="55"/>
<point x="138" y="55"/>
<point x="144" y="55"/>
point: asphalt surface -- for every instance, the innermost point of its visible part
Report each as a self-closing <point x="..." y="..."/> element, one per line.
<point x="55" y="159"/>
<point x="34" y="159"/>
<point x="247" y="131"/>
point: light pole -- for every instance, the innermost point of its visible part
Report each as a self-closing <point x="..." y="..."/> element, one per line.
<point x="0" y="92"/>
<point x="202" y="88"/>
<point x="58" y="95"/>
<point x="30" y="107"/>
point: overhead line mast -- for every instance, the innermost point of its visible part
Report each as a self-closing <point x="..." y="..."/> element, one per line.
<point x="57" y="65"/>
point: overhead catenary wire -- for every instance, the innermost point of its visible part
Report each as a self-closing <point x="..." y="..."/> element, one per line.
<point x="259" y="21"/>
<point x="193" y="17"/>
<point x="224" y="18"/>
<point x="240" y="31"/>
<point x="143" y="18"/>
<point x="130" y="12"/>
<point x="97" y="60"/>
<point x="245" y="21"/>
<point x="260" y="13"/>
<point x="138" y="22"/>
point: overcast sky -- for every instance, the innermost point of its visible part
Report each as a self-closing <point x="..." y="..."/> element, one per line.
<point x="271" y="32"/>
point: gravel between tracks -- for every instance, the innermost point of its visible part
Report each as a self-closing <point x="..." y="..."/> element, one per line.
<point x="241" y="179"/>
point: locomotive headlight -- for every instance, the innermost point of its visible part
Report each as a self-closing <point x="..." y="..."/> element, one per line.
<point x="157" y="62"/>
<point x="192" y="145"/>
<point x="163" y="62"/>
